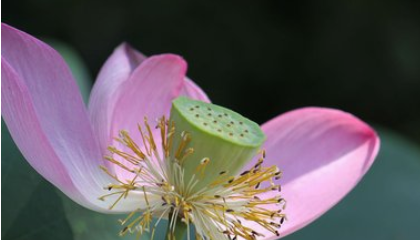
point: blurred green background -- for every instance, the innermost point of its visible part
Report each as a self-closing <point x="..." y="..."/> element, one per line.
<point x="260" y="58"/>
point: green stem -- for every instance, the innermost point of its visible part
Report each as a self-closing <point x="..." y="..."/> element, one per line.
<point x="180" y="229"/>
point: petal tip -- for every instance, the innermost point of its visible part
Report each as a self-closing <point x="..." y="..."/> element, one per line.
<point x="171" y="58"/>
<point x="124" y="46"/>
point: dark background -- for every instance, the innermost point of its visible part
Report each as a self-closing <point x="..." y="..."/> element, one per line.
<point x="260" y="58"/>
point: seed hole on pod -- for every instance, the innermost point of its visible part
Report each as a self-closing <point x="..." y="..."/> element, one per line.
<point x="196" y="115"/>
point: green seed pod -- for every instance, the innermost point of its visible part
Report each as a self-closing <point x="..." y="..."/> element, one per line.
<point x="223" y="141"/>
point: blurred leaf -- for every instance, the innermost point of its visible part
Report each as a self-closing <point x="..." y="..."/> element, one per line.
<point x="14" y="168"/>
<point x="90" y="225"/>
<point x="76" y="64"/>
<point x="385" y="205"/>
<point x="31" y="209"/>
<point x="41" y="218"/>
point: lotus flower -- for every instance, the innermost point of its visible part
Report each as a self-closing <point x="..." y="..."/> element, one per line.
<point x="323" y="153"/>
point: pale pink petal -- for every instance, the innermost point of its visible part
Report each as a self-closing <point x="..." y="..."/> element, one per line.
<point x="193" y="91"/>
<point x="148" y="93"/>
<point x="323" y="154"/>
<point x="19" y="114"/>
<point x="106" y="91"/>
<point x="45" y="114"/>
<point x="109" y="87"/>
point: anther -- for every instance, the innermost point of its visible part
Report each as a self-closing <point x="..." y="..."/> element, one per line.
<point x="124" y="231"/>
<point x="282" y="220"/>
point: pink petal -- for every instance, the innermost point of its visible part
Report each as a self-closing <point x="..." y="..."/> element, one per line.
<point x="109" y="87"/>
<point x="19" y="114"/>
<point x="44" y="111"/>
<point x="148" y="93"/>
<point x="106" y="91"/>
<point x="323" y="154"/>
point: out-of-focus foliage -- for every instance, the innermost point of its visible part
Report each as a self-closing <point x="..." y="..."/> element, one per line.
<point x="31" y="208"/>
<point x="89" y="225"/>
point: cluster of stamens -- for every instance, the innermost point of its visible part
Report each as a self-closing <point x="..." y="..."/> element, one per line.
<point x="217" y="211"/>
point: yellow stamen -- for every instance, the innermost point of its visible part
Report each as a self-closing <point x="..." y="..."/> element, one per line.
<point x="216" y="211"/>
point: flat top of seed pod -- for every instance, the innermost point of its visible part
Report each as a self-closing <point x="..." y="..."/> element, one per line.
<point x="220" y="121"/>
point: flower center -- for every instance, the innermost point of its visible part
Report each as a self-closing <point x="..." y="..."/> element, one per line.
<point x="192" y="175"/>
